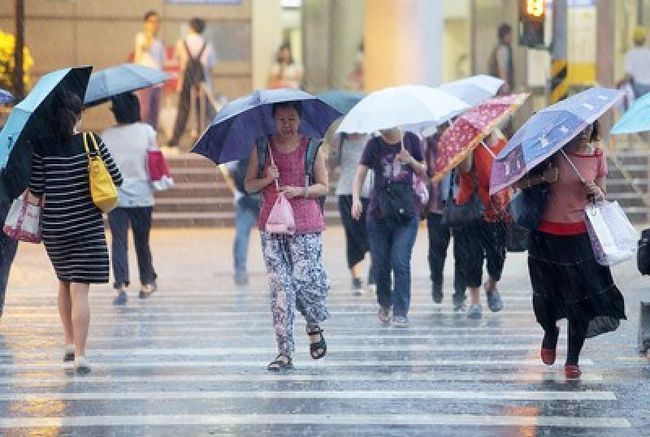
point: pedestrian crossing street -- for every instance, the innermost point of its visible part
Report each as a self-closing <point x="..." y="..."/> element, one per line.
<point x="192" y="362"/>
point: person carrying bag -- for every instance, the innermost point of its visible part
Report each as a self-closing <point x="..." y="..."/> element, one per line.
<point x="102" y="188"/>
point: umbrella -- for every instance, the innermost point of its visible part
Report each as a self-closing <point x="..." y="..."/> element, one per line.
<point x="548" y="131"/>
<point x="340" y="100"/>
<point x="28" y="120"/>
<point x="413" y="107"/>
<point x="474" y="89"/>
<point x="469" y="130"/>
<point x="233" y="131"/>
<point x="120" y="79"/>
<point x="5" y="97"/>
<point x="636" y="119"/>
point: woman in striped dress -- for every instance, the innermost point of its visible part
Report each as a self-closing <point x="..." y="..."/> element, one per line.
<point x="73" y="231"/>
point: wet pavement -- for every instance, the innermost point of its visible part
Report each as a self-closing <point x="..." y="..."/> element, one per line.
<point x="191" y="359"/>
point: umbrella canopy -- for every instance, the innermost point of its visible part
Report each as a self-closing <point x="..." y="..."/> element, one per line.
<point x="5" y="97"/>
<point x="474" y="89"/>
<point x="341" y="100"/>
<point x="30" y="119"/>
<point x="120" y="79"/>
<point x="469" y="130"/>
<point x="548" y="131"/>
<point x="636" y="119"/>
<point x="235" y="128"/>
<point x="412" y="107"/>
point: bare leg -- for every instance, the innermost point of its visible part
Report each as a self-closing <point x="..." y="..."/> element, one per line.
<point x="80" y="316"/>
<point x="356" y="271"/>
<point x="474" y="294"/>
<point x="65" y="311"/>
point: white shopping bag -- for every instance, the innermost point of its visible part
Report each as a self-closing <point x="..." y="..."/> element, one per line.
<point x="613" y="238"/>
<point x="23" y="222"/>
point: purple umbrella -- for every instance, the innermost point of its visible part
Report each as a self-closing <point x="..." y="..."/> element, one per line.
<point x="5" y="97"/>
<point x="233" y="131"/>
<point x="548" y="131"/>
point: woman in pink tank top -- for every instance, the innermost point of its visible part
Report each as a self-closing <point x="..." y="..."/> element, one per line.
<point x="567" y="281"/>
<point x="294" y="263"/>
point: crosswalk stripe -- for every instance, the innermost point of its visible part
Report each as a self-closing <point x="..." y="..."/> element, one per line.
<point x="315" y="419"/>
<point x="462" y="395"/>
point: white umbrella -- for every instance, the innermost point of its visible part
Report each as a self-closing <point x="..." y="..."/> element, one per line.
<point x="412" y="107"/>
<point x="474" y="89"/>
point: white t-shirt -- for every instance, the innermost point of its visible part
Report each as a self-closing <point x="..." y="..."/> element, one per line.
<point x="128" y="145"/>
<point x="153" y="57"/>
<point x="637" y="64"/>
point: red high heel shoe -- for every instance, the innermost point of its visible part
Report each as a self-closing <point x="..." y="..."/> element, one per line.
<point x="572" y="371"/>
<point x="548" y="356"/>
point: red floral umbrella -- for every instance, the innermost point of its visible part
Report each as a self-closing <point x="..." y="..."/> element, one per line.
<point x="469" y="130"/>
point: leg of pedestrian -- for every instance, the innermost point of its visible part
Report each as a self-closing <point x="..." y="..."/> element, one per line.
<point x="381" y="239"/>
<point x="469" y="260"/>
<point x="118" y="220"/>
<point x="245" y="220"/>
<point x="575" y="341"/>
<point x="439" y="237"/>
<point x="494" y="246"/>
<point x="8" y="248"/>
<point x="64" y="302"/>
<point x="356" y="242"/>
<point x="403" y="241"/>
<point x="141" y="225"/>
<point x="277" y="257"/>
<point x="80" y="322"/>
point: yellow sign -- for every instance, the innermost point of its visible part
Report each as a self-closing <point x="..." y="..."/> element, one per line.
<point x="535" y="8"/>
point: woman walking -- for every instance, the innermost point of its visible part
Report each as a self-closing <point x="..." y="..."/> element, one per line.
<point x="350" y="147"/>
<point x="566" y="279"/>
<point x="128" y="143"/>
<point x="484" y="240"/>
<point x="73" y="231"/>
<point x="294" y="263"/>
<point x="392" y="216"/>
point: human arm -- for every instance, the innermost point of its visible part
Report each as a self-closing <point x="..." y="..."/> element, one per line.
<point x="550" y="175"/>
<point x="319" y="188"/>
<point x="357" y="184"/>
<point x="253" y="184"/>
<point x="227" y="173"/>
<point x="37" y="180"/>
<point x="110" y="164"/>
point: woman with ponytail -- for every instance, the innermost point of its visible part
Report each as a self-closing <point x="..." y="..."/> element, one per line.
<point x="73" y="231"/>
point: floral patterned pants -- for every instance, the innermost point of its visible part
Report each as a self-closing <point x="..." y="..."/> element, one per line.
<point x="297" y="279"/>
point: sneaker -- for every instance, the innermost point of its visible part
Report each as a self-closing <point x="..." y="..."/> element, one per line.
<point x="384" y="315"/>
<point x="400" y="322"/>
<point x="459" y="306"/>
<point x="241" y="278"/>
<point x="474" y="311"/>
<point x="357" y="287"/>
<point x="436" y="294"/>
<point x="121" y="298"/>
<point x="147" y="290"/>
<point x="81" y="366"/>
<point x="494" y="301"/>
<point x="68" y="355"/>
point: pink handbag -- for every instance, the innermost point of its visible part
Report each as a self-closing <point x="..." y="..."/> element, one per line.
<point x="158" y="170"/>
<point x="280" y="220"/>
<point x="23" y="222"/>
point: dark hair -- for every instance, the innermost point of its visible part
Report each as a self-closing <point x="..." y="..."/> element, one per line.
<point x="504" y="29"/>
<point x="197" y="24"/>
<point x="126" y="108"/>
<point x="65" y="116"/>
<point x="295" y="105"/>
<point x="149" y="14"/>
<point x="283" y="46"/>
<point x="595" y="131"/>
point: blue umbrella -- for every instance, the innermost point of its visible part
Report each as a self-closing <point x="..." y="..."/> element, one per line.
<point x="30" y="119"/>
<point x="548" y="131"/>
<point x="636" y="119"/>
<point x="120" y="79"/>
<point x="235" y="128"/>
<point x="5" y="97"/>
<point x="341" y="100"/>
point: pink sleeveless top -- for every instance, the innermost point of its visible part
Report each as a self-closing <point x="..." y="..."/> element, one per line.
<point x="306" y="212"/>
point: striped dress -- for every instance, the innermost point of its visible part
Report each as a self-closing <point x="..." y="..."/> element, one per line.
<point x="73" y="231"/>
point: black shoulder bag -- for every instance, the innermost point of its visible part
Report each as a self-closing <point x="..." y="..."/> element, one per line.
<point x="470" y="212"/>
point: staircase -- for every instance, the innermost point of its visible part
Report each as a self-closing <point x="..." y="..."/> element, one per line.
<point x="201" y="197"/>
<point x="628" y="182"/>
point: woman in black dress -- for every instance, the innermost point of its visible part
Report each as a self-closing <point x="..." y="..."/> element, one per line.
<point x="73" y="231"/>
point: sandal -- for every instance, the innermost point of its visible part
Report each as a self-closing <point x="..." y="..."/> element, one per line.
<point x="281" y="363"/>
<point x="147" y="290"/>
<point x="317" y="349"/>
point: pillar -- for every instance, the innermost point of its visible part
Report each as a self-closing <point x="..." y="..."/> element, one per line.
<point x="267" y="36"/>
<point x="346" y="32"/>
<point x="403" y="42"/>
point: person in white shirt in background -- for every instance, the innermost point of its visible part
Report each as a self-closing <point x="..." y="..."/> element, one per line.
<point x="197" y="92"/>
<point x="150" y="52"/>
<point x="128" y="143"/>
<point x="637" y="64"/>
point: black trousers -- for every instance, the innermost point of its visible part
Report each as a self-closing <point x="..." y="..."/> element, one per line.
<point x="184" y="107"/>
<point x="139" y="219"/>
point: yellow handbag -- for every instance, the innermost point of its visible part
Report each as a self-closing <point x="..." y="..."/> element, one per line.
<point x="102" y="189"/>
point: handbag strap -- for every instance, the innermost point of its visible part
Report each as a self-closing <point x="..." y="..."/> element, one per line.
<point x="277" y="185"/>
<point x="573" y="166"/>
<point x="85" y="141"/>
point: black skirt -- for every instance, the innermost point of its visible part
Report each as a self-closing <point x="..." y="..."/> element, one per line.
<point x="356" y="235"/>
<point x="569" y="283"/>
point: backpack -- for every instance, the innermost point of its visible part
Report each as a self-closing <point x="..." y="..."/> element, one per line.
<point x="262" y="145"/>
<point x="194" y="73"/>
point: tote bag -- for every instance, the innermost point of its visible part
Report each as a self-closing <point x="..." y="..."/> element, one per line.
<point x="102" y="189"/>
<point x="613" y="238"/>
<point x="281" y="220"/>
<point x="158" y="171"/>
<point x="23" y="222"/>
